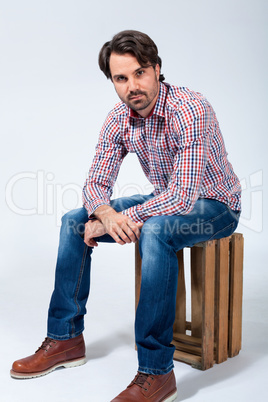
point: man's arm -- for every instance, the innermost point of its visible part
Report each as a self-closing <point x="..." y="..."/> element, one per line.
<point x="108" y="158"/>
<point x="110" y="153"/>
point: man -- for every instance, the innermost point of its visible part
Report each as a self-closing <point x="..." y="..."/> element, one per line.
<point x="177" y="139"/>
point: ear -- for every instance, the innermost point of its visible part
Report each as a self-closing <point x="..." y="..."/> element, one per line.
<point x="157" y="71"/>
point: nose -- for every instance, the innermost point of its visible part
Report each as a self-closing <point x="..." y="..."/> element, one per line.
<point x="133" y="84"/>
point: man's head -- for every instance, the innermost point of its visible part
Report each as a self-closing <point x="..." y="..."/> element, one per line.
<point x="131" y="61"/>
<point x="136" y="43"/>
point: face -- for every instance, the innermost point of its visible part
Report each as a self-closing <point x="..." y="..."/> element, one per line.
<point x="136" y="86"/>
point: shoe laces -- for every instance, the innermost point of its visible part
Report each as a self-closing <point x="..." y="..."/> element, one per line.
<point x="141" y="379"/>
<point x="46" y="344"/>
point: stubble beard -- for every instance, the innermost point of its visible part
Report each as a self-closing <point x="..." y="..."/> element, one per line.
<point x="145" y="101"/>
<point x="139" y="104"/>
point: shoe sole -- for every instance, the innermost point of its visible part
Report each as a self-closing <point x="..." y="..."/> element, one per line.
<point x="171" y="397"/>
<point x="69" y="364"/>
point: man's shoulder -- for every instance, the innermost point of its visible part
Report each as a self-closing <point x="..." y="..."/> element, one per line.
<point x="117" y="117"/>
<point x="180" y="97"/>
<point x="119" y="109"/>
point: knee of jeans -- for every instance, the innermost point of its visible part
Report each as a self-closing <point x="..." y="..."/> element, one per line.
<point x="70" y="215"/>
<point x="154" y="229"/>
<point x="74" y="220"/>
<point x="78" y="214"/>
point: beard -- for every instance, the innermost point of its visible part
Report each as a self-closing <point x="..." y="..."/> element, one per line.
<point x="144" y="98"/>
<point x="139" y="104"/>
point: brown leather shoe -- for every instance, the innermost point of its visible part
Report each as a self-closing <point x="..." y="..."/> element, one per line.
<point x="49" y="356"/>
<point x="150" y="388"/>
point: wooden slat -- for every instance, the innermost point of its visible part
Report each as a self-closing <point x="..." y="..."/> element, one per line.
<point x="236" y="294"/>
<point x="208" y="282"/>
<point x="137" y="274"/>
<point x="184" y="347"/>
<point x="194" y="361"/>
<point x="190" y="340"/>
<point x="221" y="299"/>
<point x="196" y="291"/>
<point x="180" y="318"/>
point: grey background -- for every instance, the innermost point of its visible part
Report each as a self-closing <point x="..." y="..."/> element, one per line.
<point x="54" y="100"/>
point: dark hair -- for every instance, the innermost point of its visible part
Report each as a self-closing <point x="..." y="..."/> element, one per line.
<point x="137" y="43"/>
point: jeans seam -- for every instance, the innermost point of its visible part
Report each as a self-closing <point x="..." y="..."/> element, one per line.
<point x="231" y="225"/>
<point x="217" y="217"/>
<point x="78" y="288"/>
<point x="166" y="291"/>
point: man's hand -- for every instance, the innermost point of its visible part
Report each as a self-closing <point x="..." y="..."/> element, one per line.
<point x="120" y="227"/>
<point x="93" y="228"/>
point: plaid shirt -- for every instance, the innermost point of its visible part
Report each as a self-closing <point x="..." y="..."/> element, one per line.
<point x="180" y="149"/>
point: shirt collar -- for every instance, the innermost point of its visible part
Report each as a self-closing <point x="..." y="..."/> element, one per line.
<point x="159" y="107"/>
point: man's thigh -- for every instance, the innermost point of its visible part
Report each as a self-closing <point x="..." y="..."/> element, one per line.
<point x="209" y="219"/>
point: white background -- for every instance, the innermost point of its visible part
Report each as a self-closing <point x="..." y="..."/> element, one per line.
<point x="54" y="99"/>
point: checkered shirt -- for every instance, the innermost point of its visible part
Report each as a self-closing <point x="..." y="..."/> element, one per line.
<point x="180" y="149"/>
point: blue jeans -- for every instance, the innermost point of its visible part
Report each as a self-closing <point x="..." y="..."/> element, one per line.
<point x="161" y="237"/>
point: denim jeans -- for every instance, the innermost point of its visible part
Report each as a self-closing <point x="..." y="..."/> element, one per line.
<point x="161" y="237"/>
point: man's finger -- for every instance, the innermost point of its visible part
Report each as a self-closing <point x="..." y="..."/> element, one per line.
<point x="122" y="233"/>
<point x="91" y="243"/>
<point x="117" y="239"/>
<point x="127" y="233"/>
<point x="135" y="229"/>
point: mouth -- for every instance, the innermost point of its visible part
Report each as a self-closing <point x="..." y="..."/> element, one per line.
<point x="136" y="97"/>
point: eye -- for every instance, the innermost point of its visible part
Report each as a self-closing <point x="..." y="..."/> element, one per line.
<point x="140" y="72"/>
<point x="120" y="78"/>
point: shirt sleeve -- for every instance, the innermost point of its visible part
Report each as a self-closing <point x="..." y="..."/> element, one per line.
<point x="195" y="134"/>
<point x="108" y="158"/>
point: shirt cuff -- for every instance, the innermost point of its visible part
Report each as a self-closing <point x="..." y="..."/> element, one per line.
<point x="91" y="208"/>
<point x="133" y="214"/>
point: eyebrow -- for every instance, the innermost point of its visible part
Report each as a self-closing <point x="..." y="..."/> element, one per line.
<point x="139" y="68"/>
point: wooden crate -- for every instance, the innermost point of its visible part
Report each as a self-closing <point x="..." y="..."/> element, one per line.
<point x="216" y="302"/>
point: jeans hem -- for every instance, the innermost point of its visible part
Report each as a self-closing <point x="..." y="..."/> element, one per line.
<point x="64" y="337"/>
<point x="152" y="371"/>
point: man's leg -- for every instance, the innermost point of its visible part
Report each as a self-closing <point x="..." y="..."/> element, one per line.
<point x="72" y="279"/>
<point x="64" y="345"/>
<point x="161" y="237"/>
